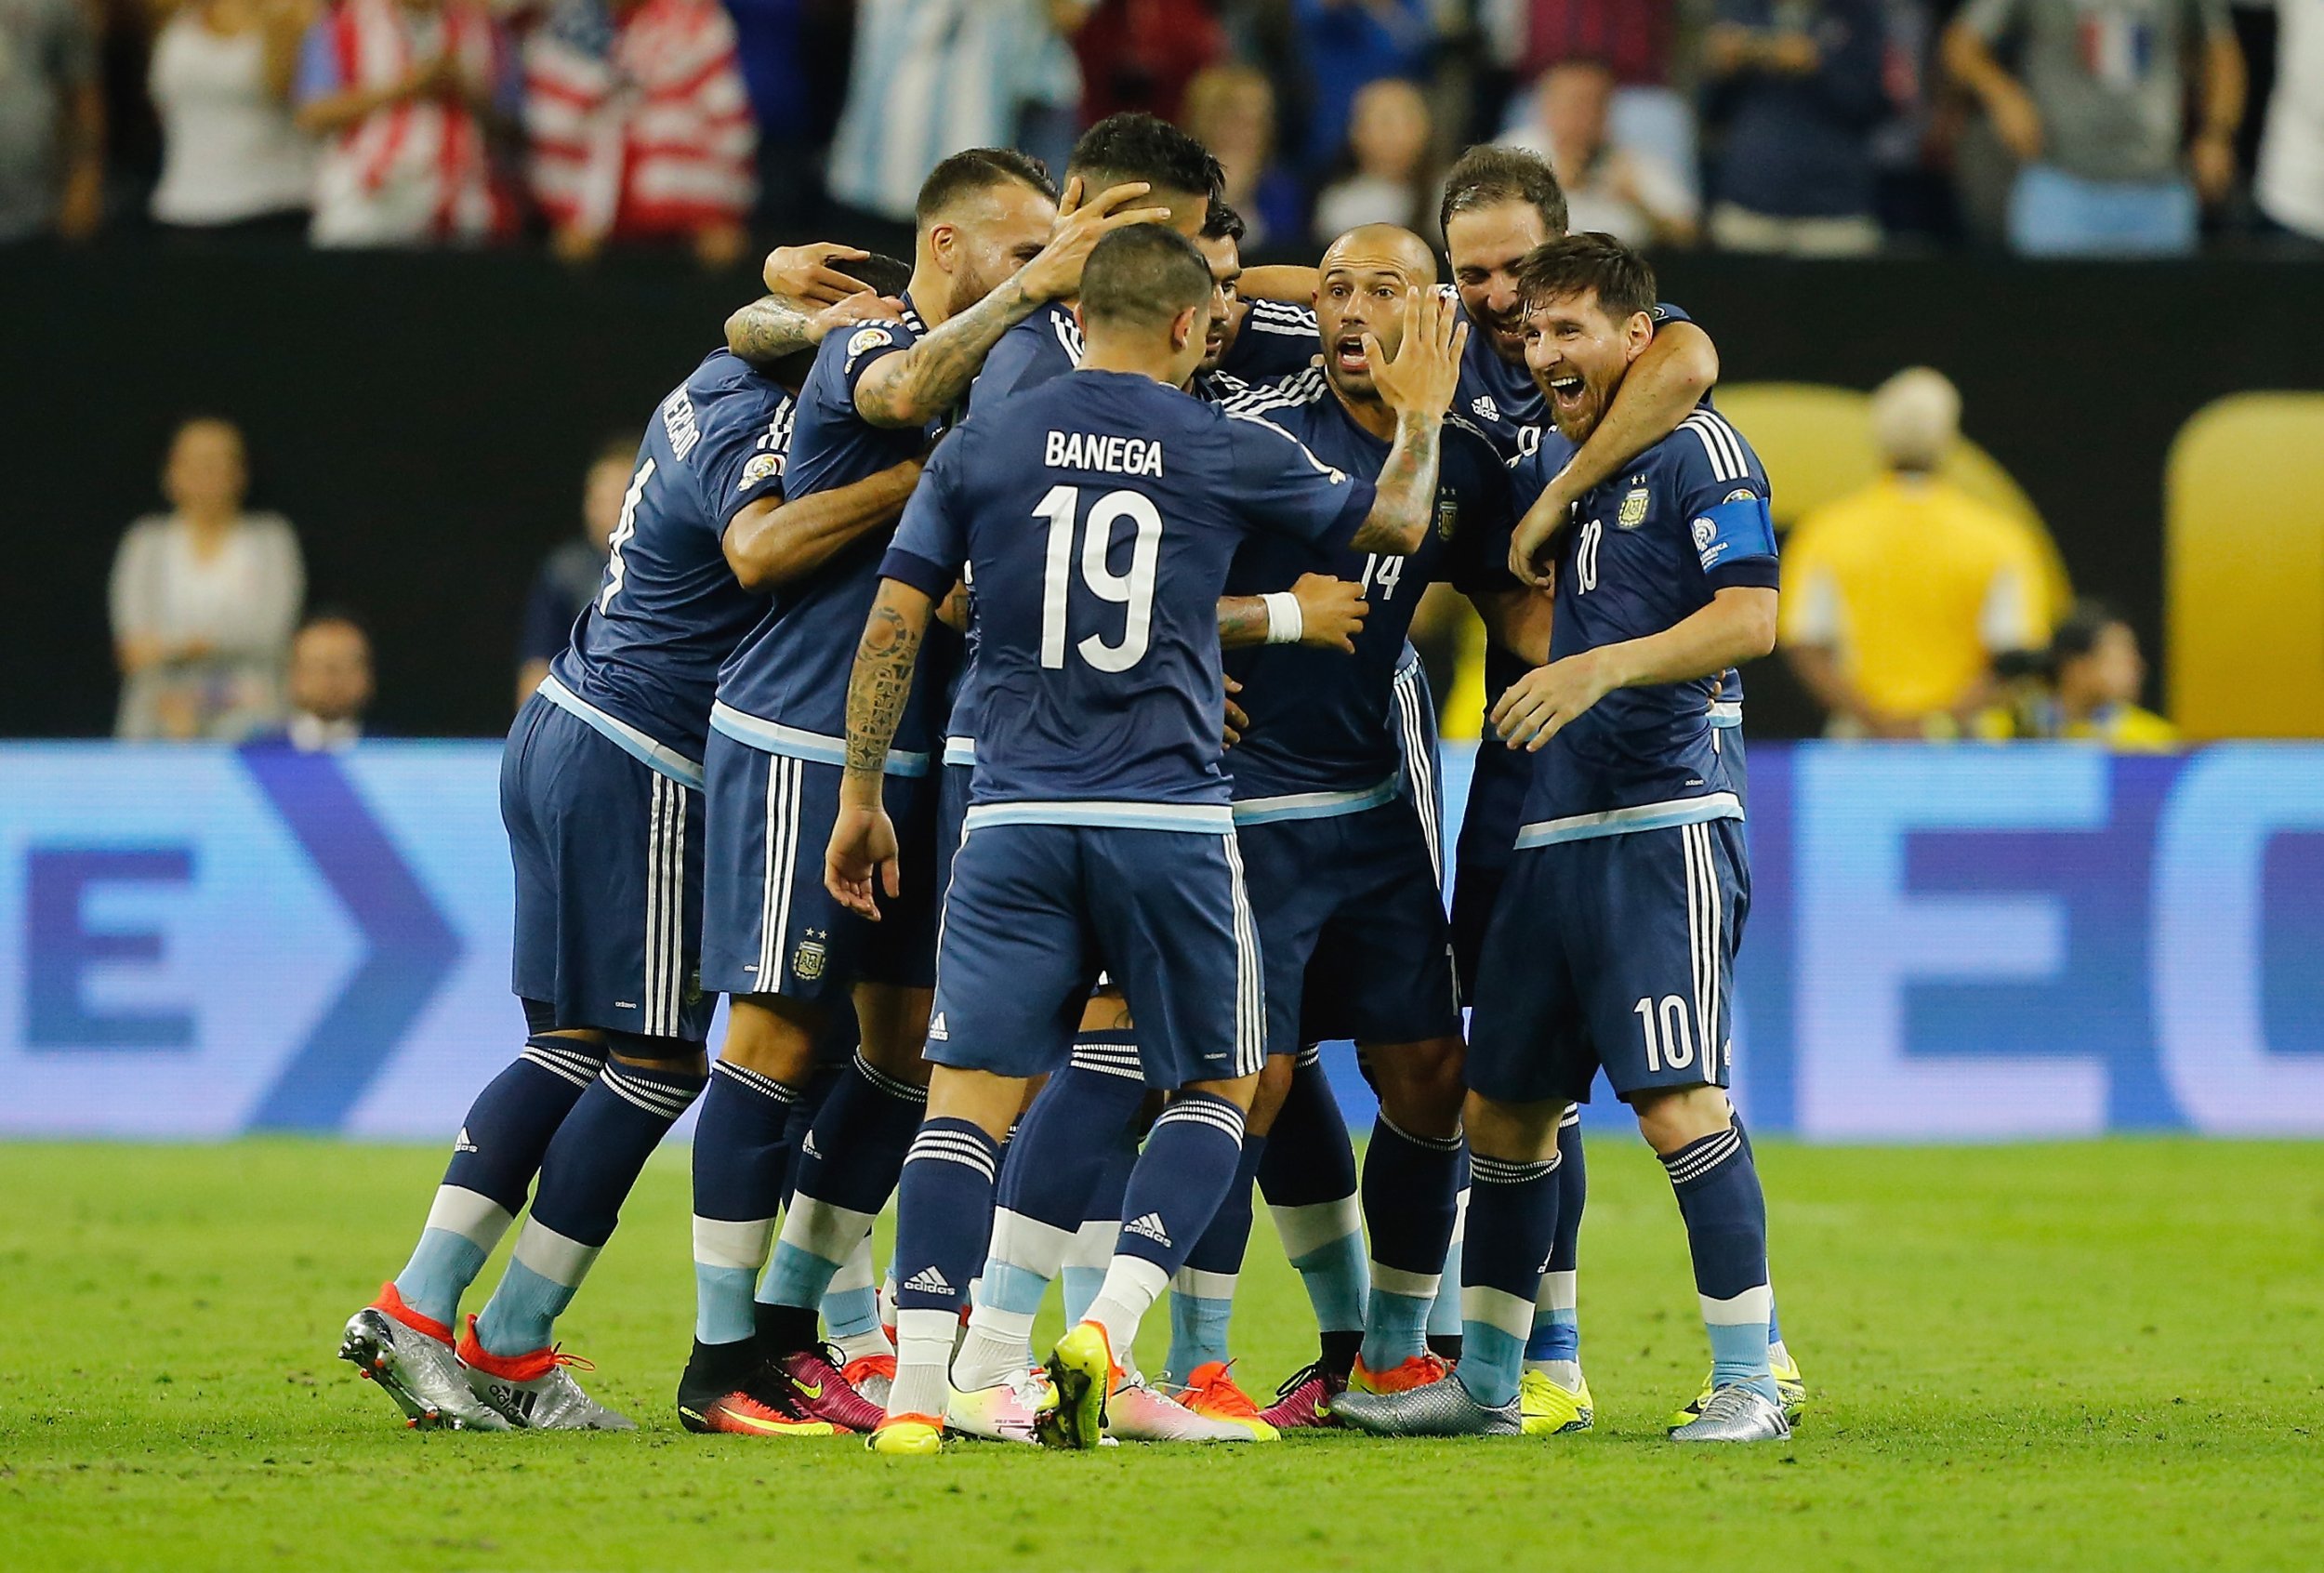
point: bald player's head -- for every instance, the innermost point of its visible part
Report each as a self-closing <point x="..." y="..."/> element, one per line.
<point x="1367" y="275"/>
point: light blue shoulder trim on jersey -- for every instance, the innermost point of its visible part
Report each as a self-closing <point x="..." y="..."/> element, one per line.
<point x="960" y="750"/>
<point x="776" y="738"/>
<point x="1623" y="821"/>
<point x="1726" y="712"/>
<point x="1317" y="805"/>
<point x="628" y="738"/>
<point x="1206" y="819"/>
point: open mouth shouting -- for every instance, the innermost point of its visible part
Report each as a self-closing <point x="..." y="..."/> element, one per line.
<point x="1566" y="392"/>
<point x="1347" y="353"/>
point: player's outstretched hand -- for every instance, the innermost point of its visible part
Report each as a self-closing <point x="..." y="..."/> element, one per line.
<point x="1538" y="705"/>
<point x="1055" y="270"/>
<point x="804" y="272"/>
<point x="862" y="850"/>
<point x="1231" y="733"/>
<point x="1331" y="612"/>
<point x="1426" y="372"/>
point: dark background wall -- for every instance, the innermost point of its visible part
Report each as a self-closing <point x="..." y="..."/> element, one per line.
<point x="424" y="420"/>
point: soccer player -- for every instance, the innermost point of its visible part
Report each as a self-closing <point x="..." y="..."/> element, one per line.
<point x="1500" y="203"/>
<point x="1613" y="944"/>
<point x="1345" y="886"/>
<point x="601" y="792"/>
<point x="1101" y="833"/>
<point x="1253" y="339"/>
<point x="790" y="957"/>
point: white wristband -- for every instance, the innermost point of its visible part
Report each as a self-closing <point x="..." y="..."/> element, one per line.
<point x="1285" y="621"/>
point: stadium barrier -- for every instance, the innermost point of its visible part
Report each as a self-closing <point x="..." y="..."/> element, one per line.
<point x="1943" y="944"/>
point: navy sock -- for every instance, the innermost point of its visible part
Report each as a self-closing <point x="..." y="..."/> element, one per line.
<point x="1411" y="1186"/>
<point x="741" y="1160"/>
<point x="804" y="1112"/>
<point x="509" y="1127"/>
<point x="1093" y="1249"/>
<point x="847" y="1168"/>
<point x="1774" y="1323"/>
<point x="1556" y="1339"/>
<point x="1512" y="1212"/>
<point x="1573" y="1195"/>
<point x="943" y="1216"/>
<point x="1190" y="1161"/>
<point x="1719" y="1197"/>
<point x="1202" y="1291"/>
<point x="1308" y="1176"/>
<point x="586" y="1175"/>
<point x="1067" y="1137"/>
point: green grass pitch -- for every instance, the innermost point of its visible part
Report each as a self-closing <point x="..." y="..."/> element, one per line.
<point x="2103" y="1356"/>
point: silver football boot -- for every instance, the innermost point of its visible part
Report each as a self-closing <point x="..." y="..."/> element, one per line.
<point x="1736" y="1413"/>
<point x="1443" y="1408"/>
<point x="423" y="1376"/>
<point x="552" y="1401"/>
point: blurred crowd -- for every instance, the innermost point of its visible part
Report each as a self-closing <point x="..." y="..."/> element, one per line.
<point x="1798" y="126"/>
<point x="1911" y="609"/>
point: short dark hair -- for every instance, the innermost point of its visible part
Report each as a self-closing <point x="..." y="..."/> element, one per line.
<point x="1223" y="223"/>
<point x="1488" y="175"/>
<point x="978" y="169"/>
<point x="2079" y="634"/>
<point x="880" y="274"/>
<point x="1144" y="273"/>
<point x="1137" y="146"/>
<point x="1592" y="261"/>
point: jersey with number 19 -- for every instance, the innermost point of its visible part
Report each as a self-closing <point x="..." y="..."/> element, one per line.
<point x="600" y="784"/>
<point x="1613" y="941"/>
<point x="1097" y="515"/>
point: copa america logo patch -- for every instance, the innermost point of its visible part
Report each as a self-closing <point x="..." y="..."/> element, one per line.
<point x="1633" y="510"/>
<point x="758" y="468"/>
<point x="1741" y="494"/>
<point x="866" y="339"/>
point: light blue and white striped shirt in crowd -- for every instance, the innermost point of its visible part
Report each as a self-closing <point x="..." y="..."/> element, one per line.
<point x="932" y="77"/>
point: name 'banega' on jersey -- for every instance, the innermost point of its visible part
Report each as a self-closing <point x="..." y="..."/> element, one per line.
<point x="1645" y="551"/>
<point x="1097" y="513"/>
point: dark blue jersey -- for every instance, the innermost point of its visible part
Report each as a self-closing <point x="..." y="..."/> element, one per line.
<point x="1646" y="551"/>
<point x="1046" y="344"/>
<point x="1320" y="719"/>
<point x="784" y="687"/>
<point x="1277" y="339"/>
<point x="1097" y="514"/>
<point x="644" y="662"/>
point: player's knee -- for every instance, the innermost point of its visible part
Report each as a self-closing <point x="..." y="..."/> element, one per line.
<point x="657" y="1053"/>
<point x="1421" y="1085"/>
<point x="1274" y="1087"/>
<point x="773" y="1035"/>
<point x="893" y="1024"/>
<point x="1669" y="1117"/>
<point x="990" y="1101"/>
<point x="1106" y="1011"/>
<point x="1238" y="1090"/>
<point x="1514" y="1133"/>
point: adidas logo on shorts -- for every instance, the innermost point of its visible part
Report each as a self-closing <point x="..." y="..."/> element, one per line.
<point x="937" y="1032"/>
<point x="1150" y="1225"/>
<point x="929" y="1281"/>
<point x="463" y="1144"/>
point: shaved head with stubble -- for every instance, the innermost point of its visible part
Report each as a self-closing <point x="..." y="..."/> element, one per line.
<point x="1365" y="279"/>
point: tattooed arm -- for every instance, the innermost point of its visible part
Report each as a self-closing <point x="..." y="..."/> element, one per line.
<point x="863" y="846"/>
<point x="916" y="385"/>
<point x="773" y="327"/>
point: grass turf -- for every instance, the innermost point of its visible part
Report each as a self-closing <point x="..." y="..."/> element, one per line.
<point x="2086" y="1355"/>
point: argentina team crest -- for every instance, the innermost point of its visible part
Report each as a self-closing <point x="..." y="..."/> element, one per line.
<point x="1447" y="513"/>
<point x="807" y="960"/>
<point x="1633" y="513"/>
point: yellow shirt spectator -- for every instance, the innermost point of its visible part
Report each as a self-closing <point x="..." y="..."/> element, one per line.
<point x="1907" y="589"/>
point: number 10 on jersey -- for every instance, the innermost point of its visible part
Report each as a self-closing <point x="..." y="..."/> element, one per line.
<point x="1133" y="591"/>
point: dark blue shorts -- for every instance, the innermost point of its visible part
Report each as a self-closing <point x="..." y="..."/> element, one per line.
<point x="1037" y="911"/>
<point x="1414" y="717"/>
<point x="1614" y="952"/>
<point x="609" y="858"/>
<point x="952" y="811"/>
<point x="1351" y="923"/>
<point x="770" y="925"/>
